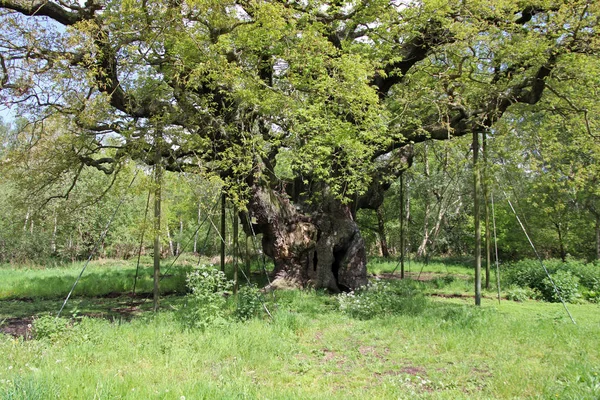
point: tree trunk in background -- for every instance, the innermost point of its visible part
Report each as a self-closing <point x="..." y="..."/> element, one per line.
<point x="561" y="241"/>
<point x="26" y="221"/>
<point x="170" y="239"/>
<point x="311" y="245"/>
<point x="381" y="233"/>
<point x="197" y="231"/>
<point x="235" y="250"/>
<point x="178" y="249"/>
<point x="422" y="250"/>
<point x="54" y="230"/>
<point x="476" y="216"/>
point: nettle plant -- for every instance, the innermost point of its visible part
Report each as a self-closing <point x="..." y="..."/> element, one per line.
<point x="207" y="300"/>
<point x="249" y="303"/>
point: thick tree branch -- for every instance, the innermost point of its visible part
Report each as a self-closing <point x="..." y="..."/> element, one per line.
<point x="50" y="9"/>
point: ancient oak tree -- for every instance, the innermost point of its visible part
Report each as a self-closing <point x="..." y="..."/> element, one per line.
<point x="305" y="109"/>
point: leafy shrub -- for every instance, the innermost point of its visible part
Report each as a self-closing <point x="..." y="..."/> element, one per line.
<point x="530" y="274"/>
<point x="380" y="298"/>
<point x="566" y="284"/>
<point x="527" y="273"/>
<point x="592" y="296"/>
<point x="49" y="327"/>
<point x="248" y="303"/>
<point x="588" y="274"/>
<point x="206" y="302"/>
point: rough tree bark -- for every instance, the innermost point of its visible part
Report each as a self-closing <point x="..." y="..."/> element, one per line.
<point x="312" y="246"/>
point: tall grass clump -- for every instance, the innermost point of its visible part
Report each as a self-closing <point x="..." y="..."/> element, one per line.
<point x="381" y="298"/>
<point x="28" y="388"/>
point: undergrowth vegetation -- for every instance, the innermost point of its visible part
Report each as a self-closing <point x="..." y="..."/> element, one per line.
<point x="572" y="280"/>
<point x="383" y="298"/>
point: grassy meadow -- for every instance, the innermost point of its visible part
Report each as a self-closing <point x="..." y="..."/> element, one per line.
<point x="437" y="345"/>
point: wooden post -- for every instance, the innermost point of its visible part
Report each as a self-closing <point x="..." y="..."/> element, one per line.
<point x="402" y="239"/>
<point x="223" y="199"/>
<point x="476" y="190"/>
<point x="235" y="250"/>
<point x="157" y="215"/>
<point x="488" y="236"/>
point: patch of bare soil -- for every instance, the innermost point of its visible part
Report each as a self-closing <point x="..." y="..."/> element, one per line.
<point x="415" y="276"/>
<point x="17" y="327"/>
<point x="459" y="296"/>
<point x="412" y="370"/>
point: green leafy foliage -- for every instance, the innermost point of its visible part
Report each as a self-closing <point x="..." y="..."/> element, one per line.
<point x="521" y="294"/>
<point x="527" y="273"/>
<point x="50" y="327"/>
<point x="572" y="279"/>
<point x="248" y="302"/>
<point x="206" y="302"/>
<point x="562" y="285"/>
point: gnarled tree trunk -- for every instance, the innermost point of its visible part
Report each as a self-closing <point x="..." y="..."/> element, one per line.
<point x="312" y="237"/>
<point x="318" y="246"/>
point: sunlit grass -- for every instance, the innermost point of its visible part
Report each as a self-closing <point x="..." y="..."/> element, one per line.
<point x="100" y="278"/>
<point x="309" y="350"/>
<point x="446" y="349"/>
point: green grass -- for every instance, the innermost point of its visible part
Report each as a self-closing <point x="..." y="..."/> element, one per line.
<point x="448" y="349"/>
<point x="309" y="350"/>
<point x="101" y="277"/>
<point x="413" y="268"/>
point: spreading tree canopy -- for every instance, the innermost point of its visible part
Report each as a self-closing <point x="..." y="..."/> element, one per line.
<point x="305" y="109"/>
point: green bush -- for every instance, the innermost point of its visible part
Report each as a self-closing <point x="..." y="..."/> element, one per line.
<point x="380" y="298"/>
<point x="588" y="274"/>
<point x="206" y="302"/>
<point x="249" y="303"/>
<point x="566" y="285"/>
<point x="527" y="273"/>
<point x="593" y="296"/>
<point x="572" y="275"/>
